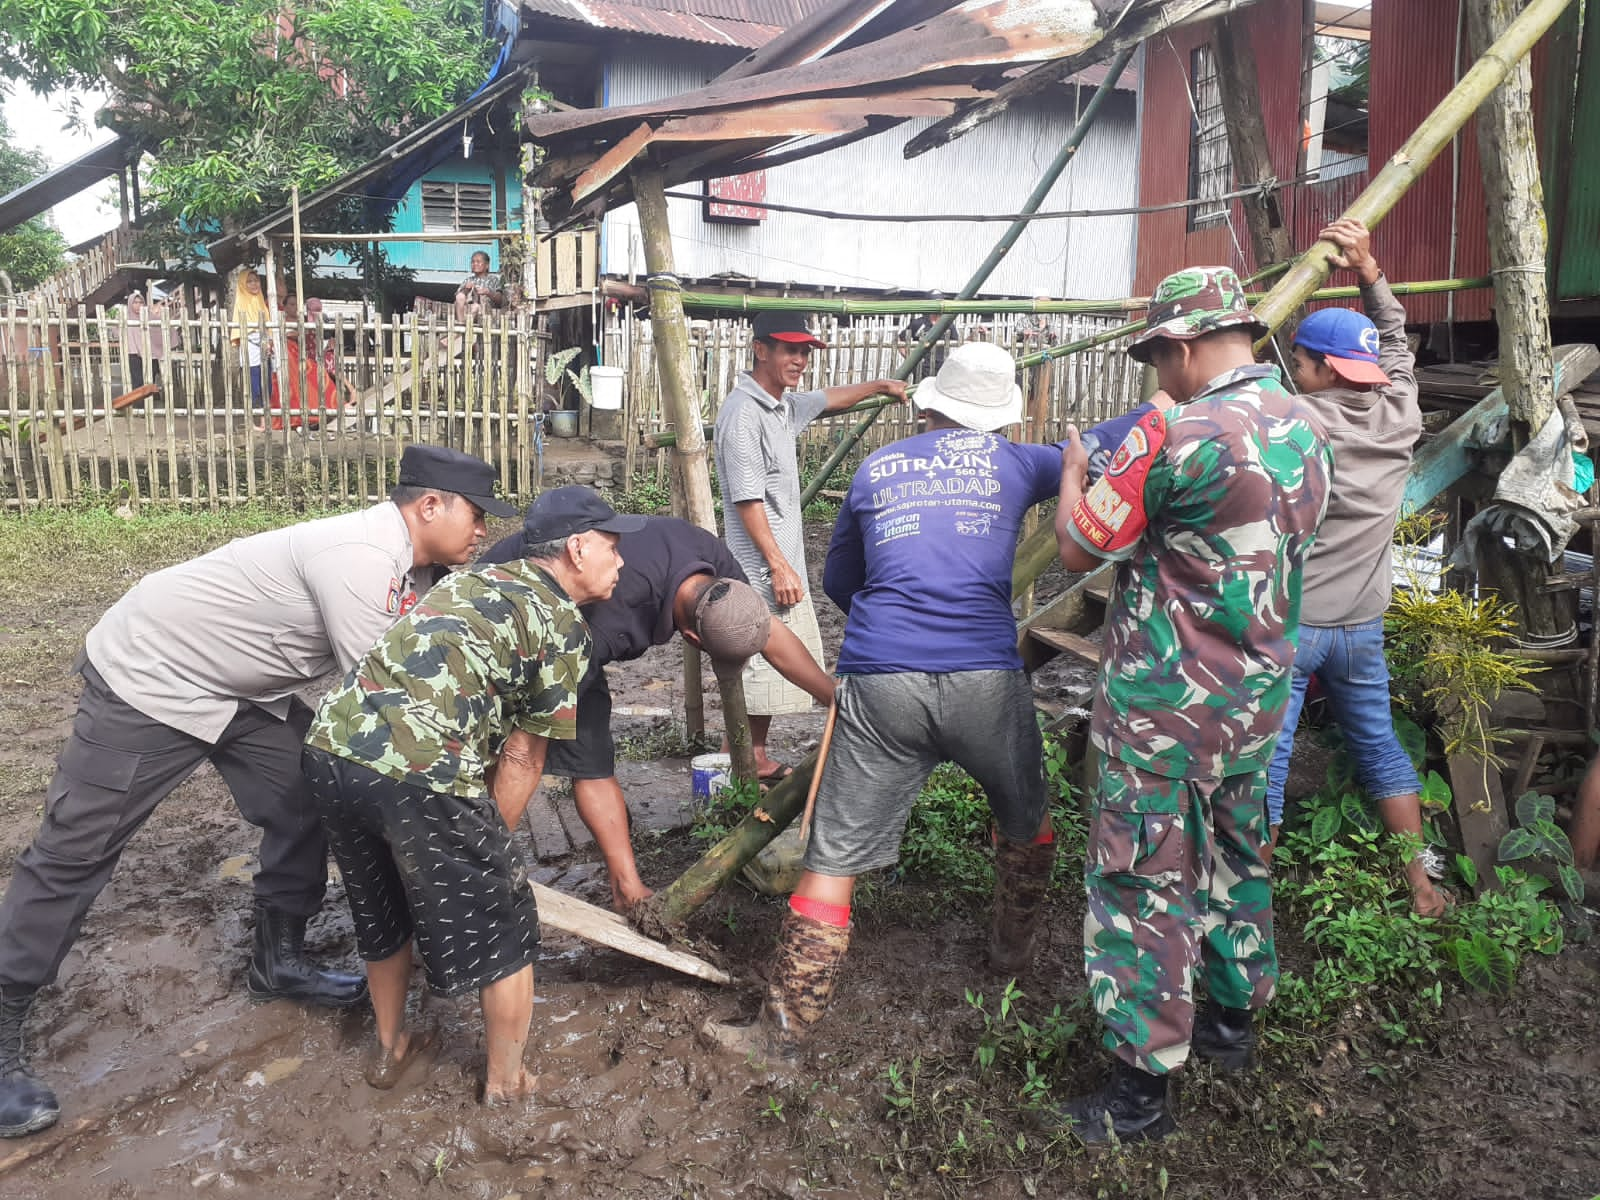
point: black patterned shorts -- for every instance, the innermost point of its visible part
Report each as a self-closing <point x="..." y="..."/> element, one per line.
<point x="426" y="865"/>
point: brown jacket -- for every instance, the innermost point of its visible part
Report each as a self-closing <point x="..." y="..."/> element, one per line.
<point x="1373" y="433"/>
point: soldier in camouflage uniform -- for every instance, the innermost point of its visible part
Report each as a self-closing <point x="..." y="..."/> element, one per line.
<point x="1211" y="510"/>
<point x="421" y="763"/>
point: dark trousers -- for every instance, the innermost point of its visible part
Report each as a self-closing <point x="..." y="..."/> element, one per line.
<point x="115" y="768"/>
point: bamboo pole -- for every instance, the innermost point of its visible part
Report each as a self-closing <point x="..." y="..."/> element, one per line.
<point x="932" y="336"/>
<point x="1412" y="159"/>
<point x="670" y="330"/>
<point x="718" y="302"/>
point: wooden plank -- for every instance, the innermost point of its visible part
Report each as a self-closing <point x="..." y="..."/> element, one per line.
<point x="557" y="910"/>
<point x="566" y="264"/>
<point x="1068" y="642"/>
<point x="1480" y="808"/>
<point x="1446" y="458"/>
<point x="1078" y="610"/>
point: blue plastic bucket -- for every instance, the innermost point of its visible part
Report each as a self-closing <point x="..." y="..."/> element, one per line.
<point x="709" y="774"/>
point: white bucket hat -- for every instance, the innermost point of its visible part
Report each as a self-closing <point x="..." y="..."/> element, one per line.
<point x="976" y="387"/>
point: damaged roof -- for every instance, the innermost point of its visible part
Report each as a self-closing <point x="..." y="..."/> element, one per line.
<point x="746" y="23"/>
<point x="850" y="69"/>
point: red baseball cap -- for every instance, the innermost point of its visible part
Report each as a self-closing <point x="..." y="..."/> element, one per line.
<point x="787" y="327"/>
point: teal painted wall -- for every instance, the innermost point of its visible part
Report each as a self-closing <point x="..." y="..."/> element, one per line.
<point x="441" y="262"/>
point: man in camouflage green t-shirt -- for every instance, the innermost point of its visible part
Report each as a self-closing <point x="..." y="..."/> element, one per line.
<point x="421" y="763"/>
<point x="1211" y="509"/>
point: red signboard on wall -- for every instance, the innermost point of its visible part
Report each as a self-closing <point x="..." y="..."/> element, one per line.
<point x="734" y="199"/>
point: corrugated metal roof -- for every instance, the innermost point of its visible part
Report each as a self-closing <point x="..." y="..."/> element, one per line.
<point x="69" y="179"/>
<point x="748" y="24"/>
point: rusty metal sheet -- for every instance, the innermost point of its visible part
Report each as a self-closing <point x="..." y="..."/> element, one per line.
<point x="1141" y="22"/>
<point x="963" y="41"/>
<point x="828" y="29"/>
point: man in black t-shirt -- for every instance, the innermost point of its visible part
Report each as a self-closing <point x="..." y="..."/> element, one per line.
<point x="676" y="578"/>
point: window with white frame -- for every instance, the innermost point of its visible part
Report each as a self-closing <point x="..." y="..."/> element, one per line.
<point x="457" y="207"/>
<point x="1334" y="87"/>
<point x="1210" y="163"/>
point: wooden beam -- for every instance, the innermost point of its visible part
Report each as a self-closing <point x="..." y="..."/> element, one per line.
<point x="1517" y="243"/>
<point x="1445" y="458"/>
<point x="1247" y="142"/>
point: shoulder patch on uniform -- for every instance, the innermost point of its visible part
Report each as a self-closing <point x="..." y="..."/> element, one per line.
<point x="392" y="605"/>
<point x="1110" y="515"/>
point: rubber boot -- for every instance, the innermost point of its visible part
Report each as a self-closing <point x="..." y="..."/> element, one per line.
<point x="799" y="987"/>
<point x="26" y="1105"/>
<point x="1225" y="1036"/>
<point x="279" y="970"/>
<point x="1021" y="881"/>
<point x="1132" y="1107"/>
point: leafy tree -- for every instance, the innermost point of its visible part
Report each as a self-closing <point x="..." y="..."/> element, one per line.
<point x="34" y="249"/>
<point x="238" y="100"/>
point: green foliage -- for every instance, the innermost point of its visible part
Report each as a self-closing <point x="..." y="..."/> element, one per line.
<point x="241" y="99"/>
<point x="35" y="249"/>
<point x="1444" y="665"/>
<point x="1538" y="836"/>
<point x="556" y="366"/>
<point x="644" y="495"/>
<point x="1026" y="1050"/>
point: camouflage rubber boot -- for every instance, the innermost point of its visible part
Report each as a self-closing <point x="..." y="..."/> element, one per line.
<point x="1021" y="881"/>
<point x="1131" y="1107"/>
<point x="799" y="986"/>
<point x="1224" y="1036"/>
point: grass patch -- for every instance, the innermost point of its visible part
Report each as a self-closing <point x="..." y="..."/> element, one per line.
<point x="61" y="568"/>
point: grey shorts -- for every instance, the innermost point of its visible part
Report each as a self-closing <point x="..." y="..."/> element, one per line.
<point x="893" y="730"/>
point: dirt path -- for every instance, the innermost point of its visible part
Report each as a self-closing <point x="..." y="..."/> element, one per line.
<point x="173" y="1084"/>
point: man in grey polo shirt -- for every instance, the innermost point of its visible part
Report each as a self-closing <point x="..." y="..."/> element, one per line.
<point x="201" y="662"/>
<point x="760" y="480"/>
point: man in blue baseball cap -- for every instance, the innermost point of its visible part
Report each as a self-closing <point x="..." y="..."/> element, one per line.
<point x="1358" y="374"/>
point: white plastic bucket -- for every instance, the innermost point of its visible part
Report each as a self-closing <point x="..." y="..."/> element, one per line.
<point x="709" y="775"/>
<point x="605" y="387"/>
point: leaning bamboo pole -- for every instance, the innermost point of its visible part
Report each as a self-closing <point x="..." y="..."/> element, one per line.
<point x="1008" y="239"/>
<point x="1426" y="287"/>
<point x="1412" y="159"/>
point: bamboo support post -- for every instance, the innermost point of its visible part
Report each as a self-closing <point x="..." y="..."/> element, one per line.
<point x="670" y="330"/>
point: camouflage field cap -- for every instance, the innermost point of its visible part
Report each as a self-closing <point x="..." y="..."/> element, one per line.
<point x="1192" y="302"/>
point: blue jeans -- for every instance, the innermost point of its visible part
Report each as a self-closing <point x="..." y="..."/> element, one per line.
<point x="1348" y="661"/>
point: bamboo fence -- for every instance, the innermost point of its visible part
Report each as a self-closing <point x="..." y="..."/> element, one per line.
<point x="336" y="437"/>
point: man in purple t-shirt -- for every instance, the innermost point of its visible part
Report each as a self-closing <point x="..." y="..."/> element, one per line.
<point x="921" y="562"/>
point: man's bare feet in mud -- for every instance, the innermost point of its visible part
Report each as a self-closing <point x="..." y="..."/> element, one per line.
<point x="517" y="1093"/>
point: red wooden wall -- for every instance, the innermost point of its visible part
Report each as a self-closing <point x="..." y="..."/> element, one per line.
<point x="1413" y="66"/>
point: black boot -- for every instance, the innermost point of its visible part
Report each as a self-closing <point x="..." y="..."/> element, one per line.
<point x="1225" y="1036"/>
<point x="279" y="970"/>
<point x="1134" y="1101"/>
<point x="26" y="1105"/>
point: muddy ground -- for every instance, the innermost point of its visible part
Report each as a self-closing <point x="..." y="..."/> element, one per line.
<point x="173" y="1084"/>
